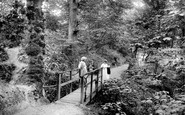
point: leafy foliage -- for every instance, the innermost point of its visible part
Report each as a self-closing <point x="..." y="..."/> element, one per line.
<point x="34" y="45"/>
<point x="103" y="23"/>
<point x="6" y="72"/>
<point x="12" y="26"/>
<point x="4" y="55"/>
<point x="141" y="92"/>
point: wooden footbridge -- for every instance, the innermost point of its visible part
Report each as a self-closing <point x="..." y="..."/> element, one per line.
<point x="68" y="104"/>
<point x="89" y="85"/>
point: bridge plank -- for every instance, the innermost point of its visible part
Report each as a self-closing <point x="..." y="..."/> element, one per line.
<point x="68" y="82"/>
<point x="74" y="97"/>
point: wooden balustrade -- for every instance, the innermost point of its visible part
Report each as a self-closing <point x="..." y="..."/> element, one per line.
<point x="93" y="79"/>
<point x="92" y="82"/>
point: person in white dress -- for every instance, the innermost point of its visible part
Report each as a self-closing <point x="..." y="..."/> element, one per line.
<point x="82" y="66"/>
<point x="104" y="65"/>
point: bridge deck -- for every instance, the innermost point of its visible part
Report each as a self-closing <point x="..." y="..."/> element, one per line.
<point x="74" y="97"/>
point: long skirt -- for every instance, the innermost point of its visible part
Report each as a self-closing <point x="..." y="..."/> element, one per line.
<point x="105" y="75"/>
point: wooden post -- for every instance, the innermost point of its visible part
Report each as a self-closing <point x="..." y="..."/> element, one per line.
<point x="71" y="83"/>
<point x="97" y="80"/>
<point x="101" y="70"/>
<point x="79" y="71"/>
<point x="59" y="82"/>
<point x="91" y="86"/>
<point x="82" y="90"/>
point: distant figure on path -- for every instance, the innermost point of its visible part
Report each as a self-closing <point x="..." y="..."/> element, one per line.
<point x="106" y="70"/>
<point x="90" y="66"/>
<point x="82" y="66"/>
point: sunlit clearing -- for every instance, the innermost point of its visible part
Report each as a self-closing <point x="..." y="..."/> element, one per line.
<point x="138" y="4"/>
<point x="24" y="2"/>
<point x="45" y="6"/>
<point x="56" y="12"/>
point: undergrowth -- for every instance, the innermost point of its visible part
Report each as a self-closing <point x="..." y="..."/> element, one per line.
<point x="153" y="89"/>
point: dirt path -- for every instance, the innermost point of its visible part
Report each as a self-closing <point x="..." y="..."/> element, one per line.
<point x="13" y="54"/>
<point x="53" y="109"/>
<point x="116" y="72"/>
<point x="59" y="108"/>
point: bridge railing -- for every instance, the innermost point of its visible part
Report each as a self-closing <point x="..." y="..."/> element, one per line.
<point x="73" y="77"/>
<point x="86" y="80"/>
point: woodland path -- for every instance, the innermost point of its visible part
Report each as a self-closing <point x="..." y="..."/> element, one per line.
<point x="60" y="108"/>
<point x="117" y="71"/>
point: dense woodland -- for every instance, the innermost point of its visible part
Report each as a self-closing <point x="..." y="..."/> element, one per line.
<point x="40" y="37"/>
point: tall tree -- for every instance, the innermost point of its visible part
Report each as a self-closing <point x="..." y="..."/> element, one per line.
<point x="102" y="23"/>
<point x="147" y="26"/>
<point x="72" y="20"/>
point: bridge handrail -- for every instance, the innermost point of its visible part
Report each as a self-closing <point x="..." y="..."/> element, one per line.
<point x="76" y="79"/>
<point x="80" y="78"/>
<point x="49" y="86"/>
<point x="58" y="85"/>
<point x="91" y="72"/>
<point x="83" y="98"/>
<point x="68" y="82"/>
<point x="61" y="72"/>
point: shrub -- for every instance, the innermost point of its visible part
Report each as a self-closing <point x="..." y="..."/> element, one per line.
<point x="6" y="72"/>
<point x="3" y="55"/>
<point x="119" y="97"/>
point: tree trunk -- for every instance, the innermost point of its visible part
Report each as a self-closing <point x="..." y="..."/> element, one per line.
<point x="72" y="29"/>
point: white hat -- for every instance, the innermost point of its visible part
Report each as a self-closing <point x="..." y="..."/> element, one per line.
<point x="105" y="60"/>
<point x="83" y="58"/>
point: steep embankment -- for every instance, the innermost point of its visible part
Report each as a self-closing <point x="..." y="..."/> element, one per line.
<point x="15" y="96"/>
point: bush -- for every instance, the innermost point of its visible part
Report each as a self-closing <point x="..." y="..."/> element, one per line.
<point x="119" y="97"/>
<point x="126" y="98"/>
<point x="143" y="91"/>
<point x="6" y="72"/>
<point x="3" y="55"/>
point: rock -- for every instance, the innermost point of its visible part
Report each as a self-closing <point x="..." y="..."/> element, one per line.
<point x="164" y="107"/>
<point x="160" y="112"/>
<point x="149" y="101"/>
